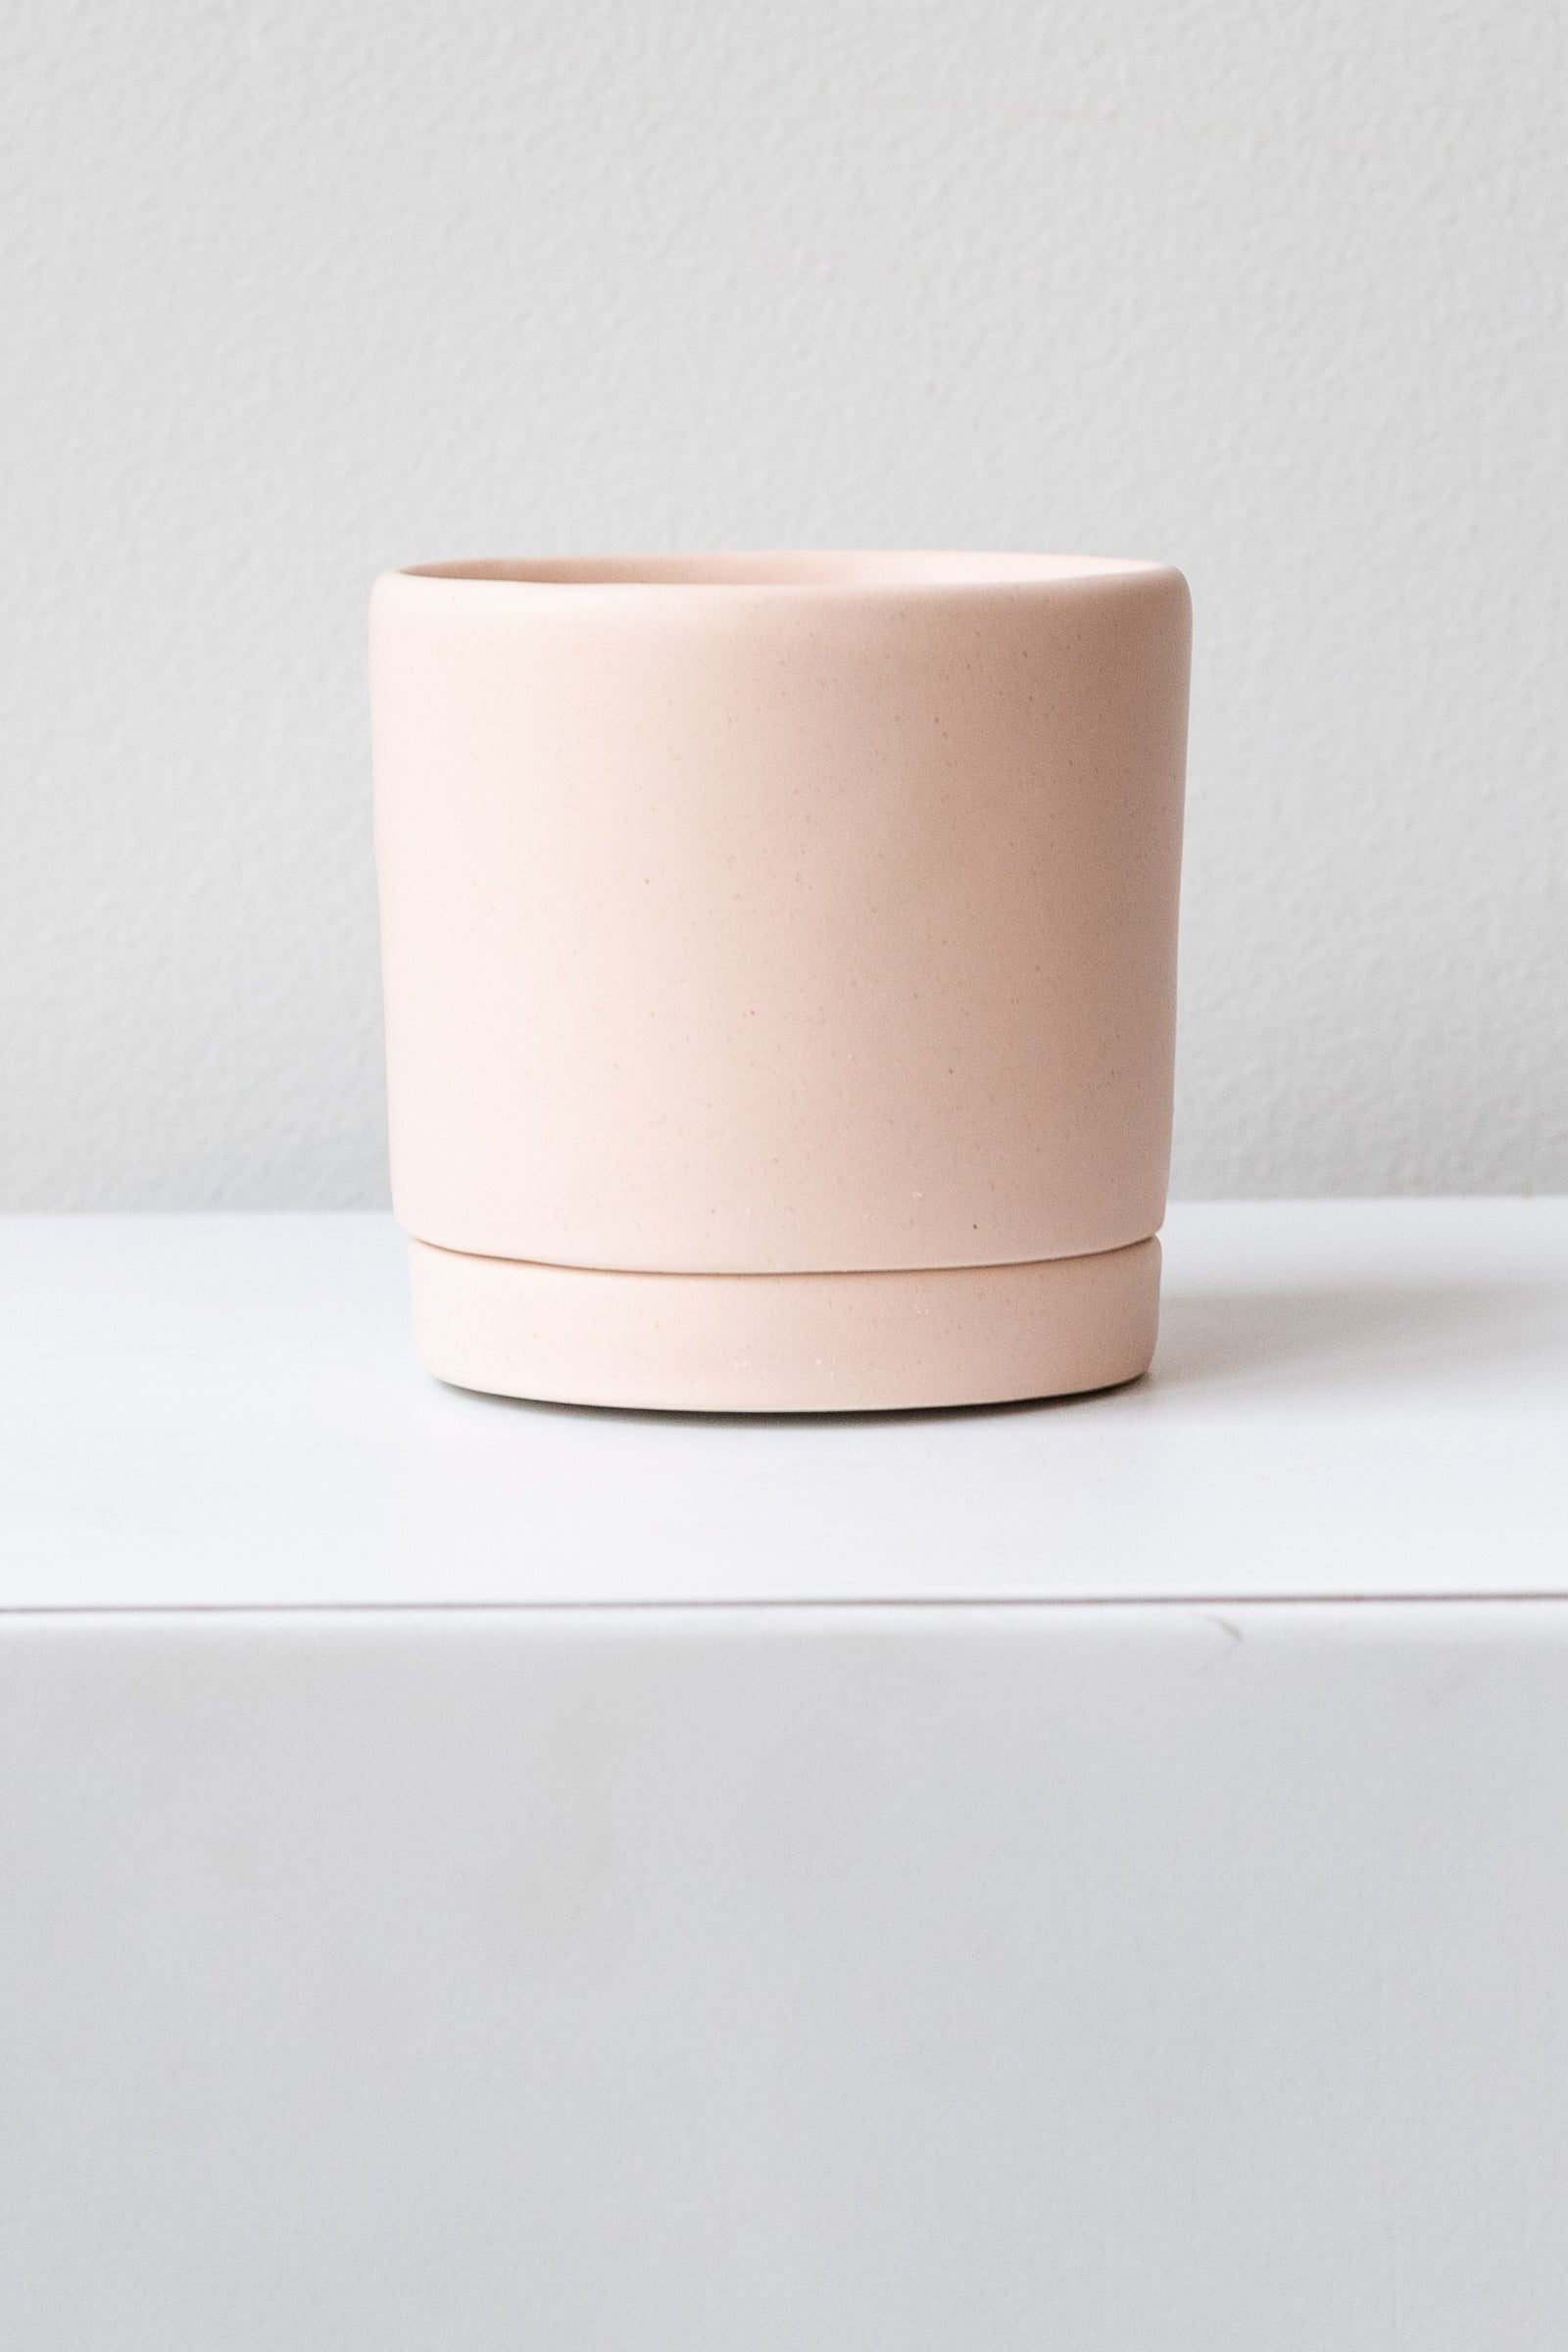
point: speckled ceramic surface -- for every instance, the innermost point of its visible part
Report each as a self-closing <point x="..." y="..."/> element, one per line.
<point x="781" y="916"/>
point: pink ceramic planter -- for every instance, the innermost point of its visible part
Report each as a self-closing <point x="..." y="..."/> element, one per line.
<point x="780" y="971"/>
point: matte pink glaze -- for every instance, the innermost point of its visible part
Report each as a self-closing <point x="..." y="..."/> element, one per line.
<point x="787" y="1343"/>
<point x="780" y="914"/>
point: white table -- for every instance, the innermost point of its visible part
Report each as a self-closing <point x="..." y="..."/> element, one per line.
<point x="428" y="1921"/>
<point x="224" y="1411"/>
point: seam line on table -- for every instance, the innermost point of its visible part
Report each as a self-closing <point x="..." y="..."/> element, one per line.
<point x="864" y="1602"/>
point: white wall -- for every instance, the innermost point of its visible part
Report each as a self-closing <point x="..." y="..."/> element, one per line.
<point x="294" y="291"/>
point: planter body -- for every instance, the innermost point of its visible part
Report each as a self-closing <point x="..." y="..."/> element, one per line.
<point x="780" y="971"/>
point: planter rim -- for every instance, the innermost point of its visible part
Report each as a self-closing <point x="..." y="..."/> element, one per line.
<point x="792" y="572"/>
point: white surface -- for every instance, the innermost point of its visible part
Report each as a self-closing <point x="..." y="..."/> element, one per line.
<point x="293" y="293"/>
<point x="1347" y="1398"/>
<point x="744" y="1980"/>
<point x="738" y="1978"/>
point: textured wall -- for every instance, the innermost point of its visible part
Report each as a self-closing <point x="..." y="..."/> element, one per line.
<point x="295" y="292"/>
